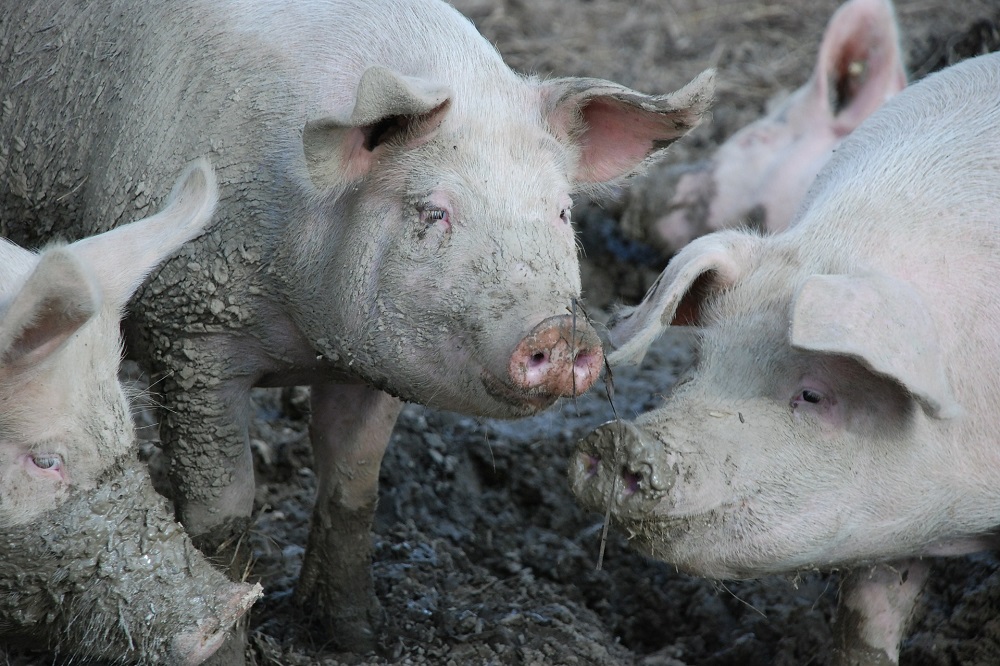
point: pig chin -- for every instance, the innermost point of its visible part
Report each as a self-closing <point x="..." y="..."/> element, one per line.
<point x="512" y="402"/>
<point x="730" y="543"/>
<point x="693" y="546"/>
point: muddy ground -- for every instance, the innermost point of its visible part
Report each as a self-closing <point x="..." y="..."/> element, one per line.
<point x="481" y="555"/>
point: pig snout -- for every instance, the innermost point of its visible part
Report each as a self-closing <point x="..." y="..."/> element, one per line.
<point x="616" y="467"/>
<point x="193" y="647"/>
<point x="560" y="357"/>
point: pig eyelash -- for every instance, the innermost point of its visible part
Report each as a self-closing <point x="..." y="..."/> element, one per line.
<point x="566" y="215"/>
<point x="429" y="216"/>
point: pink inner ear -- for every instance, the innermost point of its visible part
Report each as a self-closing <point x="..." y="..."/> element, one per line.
<point x="616" y="138"/>
<point x="357" y="159"/>
<point x="859" y="35"/>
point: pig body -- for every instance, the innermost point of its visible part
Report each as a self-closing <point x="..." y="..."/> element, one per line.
<point x="844" y="406"/>
<point x="92" y="562"/>
<point x="394" y="223"/>
<point x="759" y="176"/>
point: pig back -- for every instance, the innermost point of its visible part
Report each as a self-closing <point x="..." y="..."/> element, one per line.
<point x="107" y="100"/>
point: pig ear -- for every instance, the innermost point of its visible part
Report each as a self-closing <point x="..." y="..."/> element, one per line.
<point x="123" y="257"/>
<point x="860" y="64"/>
<point x="59" y="297"/>
<point x="706" y="266"/>
<point x="388" y="107"/>
<point x="881" y="322"/>
<point x="618" y="129"/>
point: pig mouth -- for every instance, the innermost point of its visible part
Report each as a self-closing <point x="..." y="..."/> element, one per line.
<point x="524" y="403"/>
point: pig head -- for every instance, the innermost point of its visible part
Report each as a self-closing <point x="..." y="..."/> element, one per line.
<point x="760" y="175"/>
<point x="468" y="302"/>
<point x="92" y="562"/>
<point x="843" y="407"/>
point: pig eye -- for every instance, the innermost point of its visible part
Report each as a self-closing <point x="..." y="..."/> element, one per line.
<point x="47" y="461"/>
<point x="566" y="215"/>
<point x="811" y="396"/>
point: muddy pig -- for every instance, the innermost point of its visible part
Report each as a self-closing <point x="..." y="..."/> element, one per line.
<point x="394" y="224"/>
<point x="845" y="403"/>
<point x="92" y="563"/>
<point x="760" y="175"/>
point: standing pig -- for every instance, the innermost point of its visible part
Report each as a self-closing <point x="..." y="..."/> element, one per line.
<point x="394" y="224"/>
<point x="92" y="563"/>
<point x="760" y="175"/>
<point x="844" y="408"/>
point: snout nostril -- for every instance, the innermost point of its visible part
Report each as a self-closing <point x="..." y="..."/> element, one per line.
<point x="583" y="359"/>
<point x="591" y="464"/>
<point x="537" y="359"/>
<point x="632" y="481"/>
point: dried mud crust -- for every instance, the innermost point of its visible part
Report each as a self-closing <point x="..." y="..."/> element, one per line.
<point x="481" y="554"/>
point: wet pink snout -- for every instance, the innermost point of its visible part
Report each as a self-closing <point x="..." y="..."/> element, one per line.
<point x="560" y="357"/>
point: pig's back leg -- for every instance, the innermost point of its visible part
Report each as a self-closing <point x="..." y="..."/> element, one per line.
<point x="350" y="429"/>
<point x="876" y="606"/>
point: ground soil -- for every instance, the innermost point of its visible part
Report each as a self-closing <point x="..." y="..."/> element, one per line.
<point x="481" y="554"/>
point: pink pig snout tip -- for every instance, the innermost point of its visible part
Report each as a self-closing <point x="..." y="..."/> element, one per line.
<point x="560" y="357"/>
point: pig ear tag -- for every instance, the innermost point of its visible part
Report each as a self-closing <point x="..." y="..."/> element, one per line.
<point x="883" y="323"/>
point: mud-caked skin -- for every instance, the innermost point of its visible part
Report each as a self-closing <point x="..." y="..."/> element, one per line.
<point x="843" y="408"/>
<point x="110" y="574"/>
<point x="394" y="224"/>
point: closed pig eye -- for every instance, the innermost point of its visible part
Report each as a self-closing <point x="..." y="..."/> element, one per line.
<point x="430" y="215"/>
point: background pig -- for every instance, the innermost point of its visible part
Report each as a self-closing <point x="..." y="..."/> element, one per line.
<point x="843" y="410"/>
<point x="760" y="175"/>
<point x="92" y="563"/>
<point x="394" y="224"/>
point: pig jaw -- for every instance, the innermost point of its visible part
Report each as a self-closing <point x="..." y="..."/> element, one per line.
<point x="717" y="499"/>
<point x="110" y="574"/>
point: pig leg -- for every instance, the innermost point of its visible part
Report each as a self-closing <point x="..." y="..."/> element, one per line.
<point x="876" y="606"/>
<point x="350" y="429"/>
<point x="205" y="434"/>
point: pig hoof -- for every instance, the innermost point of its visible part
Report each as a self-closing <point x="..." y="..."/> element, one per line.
<point x="357" y="633"/>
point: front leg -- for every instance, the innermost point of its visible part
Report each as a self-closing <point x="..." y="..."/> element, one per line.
<point x="205" y="436"/>
<point x="875" y="609"/>
<point x="204" y="433"/>
<point x="350" y="429"/>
